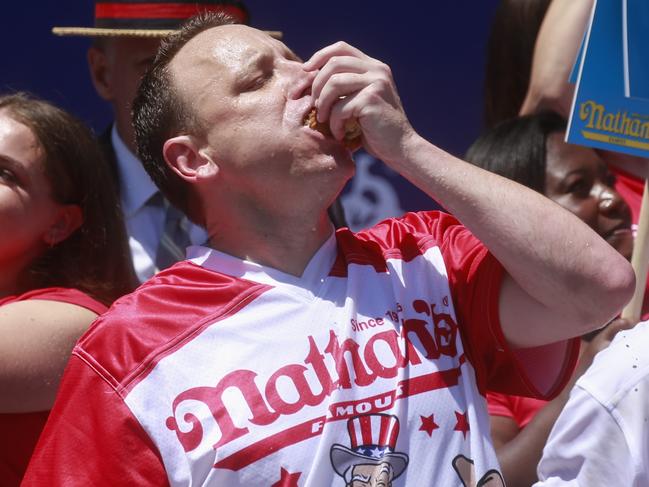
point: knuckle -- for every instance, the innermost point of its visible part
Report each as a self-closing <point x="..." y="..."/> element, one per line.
<point x="374" y="91"/>
<point x="382" y="84"/>
<point x="334" y="62"/>
<point x="336" y="80"/>
<point x="384" y="69"/>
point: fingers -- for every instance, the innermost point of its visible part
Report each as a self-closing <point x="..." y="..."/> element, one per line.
<point x="351" y="107"/>
<point x="338" y="88"/>
<point x="336" y="65"/>
<point x="320" y="58"/>
<point x="343" y="70"/>
<point x="342" y="111"/>
<point x="349" y="85"/>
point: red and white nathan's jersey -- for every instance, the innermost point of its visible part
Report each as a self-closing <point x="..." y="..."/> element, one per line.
<point x="368" y="367"/>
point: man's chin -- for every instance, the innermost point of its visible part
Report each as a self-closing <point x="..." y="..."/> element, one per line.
<point x="332" y="156"/>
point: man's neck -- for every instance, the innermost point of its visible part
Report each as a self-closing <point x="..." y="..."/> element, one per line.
<point x="283" y="244"/>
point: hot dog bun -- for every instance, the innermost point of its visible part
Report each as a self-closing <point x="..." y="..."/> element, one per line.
<point x="353" y="132"/>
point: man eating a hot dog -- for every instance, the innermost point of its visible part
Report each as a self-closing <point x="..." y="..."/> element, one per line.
<point x="284" y="353"/>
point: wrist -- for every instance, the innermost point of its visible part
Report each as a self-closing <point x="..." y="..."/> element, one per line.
<point x="410" y="147"/>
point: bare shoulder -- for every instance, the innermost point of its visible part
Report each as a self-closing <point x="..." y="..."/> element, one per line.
<point x="38" y="336"/>
<point x="35" y="312"/>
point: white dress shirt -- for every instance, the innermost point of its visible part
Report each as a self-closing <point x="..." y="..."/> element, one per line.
<point x="144" y="223"/>
<point x="601" y="437"/>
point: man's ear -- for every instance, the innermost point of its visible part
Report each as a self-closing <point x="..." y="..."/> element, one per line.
<point x="68" y="219"/>
<point x="187" y="159"/>
<point x="100" y="72"/>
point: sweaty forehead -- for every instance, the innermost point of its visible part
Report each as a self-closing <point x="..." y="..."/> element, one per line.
<point x="209" y="65"/>
<point x="563" y="158"/>
<point x="226" y="46"/>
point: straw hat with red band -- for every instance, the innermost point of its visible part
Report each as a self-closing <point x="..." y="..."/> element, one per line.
<point x="152" y="18"/>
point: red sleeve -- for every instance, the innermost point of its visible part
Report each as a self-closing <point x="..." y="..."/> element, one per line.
<point x="91" y="438"/>
<point x="63" y="295"/>
<point x="499" y="405"/>
<point x="475" y="278"/>
<point x="520" y="409"/>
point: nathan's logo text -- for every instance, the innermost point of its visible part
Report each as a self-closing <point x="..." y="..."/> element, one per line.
<point x="339" y="365"/>
<point x="596" y="117"/>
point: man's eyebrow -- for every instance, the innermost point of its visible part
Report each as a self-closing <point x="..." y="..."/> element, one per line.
<point x="253" y="61"/>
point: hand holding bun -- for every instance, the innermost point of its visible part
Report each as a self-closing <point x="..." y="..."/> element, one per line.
<point x="349" y="85"/>
<point x="353" y="132"/>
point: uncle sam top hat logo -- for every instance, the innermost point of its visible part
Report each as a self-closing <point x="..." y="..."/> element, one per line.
<point x="373" y="439"/>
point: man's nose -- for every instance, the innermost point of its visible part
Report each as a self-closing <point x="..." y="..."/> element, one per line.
<point x="299" y="81"/>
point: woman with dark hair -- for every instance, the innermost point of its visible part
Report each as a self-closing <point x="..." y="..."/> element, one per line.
<point x="531" y="150"/>
<point x="510" y="51"/>
<point x="63" y="260"/>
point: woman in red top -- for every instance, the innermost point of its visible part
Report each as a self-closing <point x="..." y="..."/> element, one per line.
<point x="63" y="260"/>
<point x="531" y="151"/>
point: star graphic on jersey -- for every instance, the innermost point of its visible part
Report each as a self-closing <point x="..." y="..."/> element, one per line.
<point x="462" y="423"/>
<point x="428" y="424"/>
<point x="287" y="479"/>
<point x="376" y="452"/>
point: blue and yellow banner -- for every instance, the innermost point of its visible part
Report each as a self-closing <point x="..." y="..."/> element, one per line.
<point x="611" y="105"/>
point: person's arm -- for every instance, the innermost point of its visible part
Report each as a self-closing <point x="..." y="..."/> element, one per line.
<point x="37" y="338"/>
<point x="503" y="418"/>
<point x="519" y="451"/>
<point x="556" y="266"/>
<point x="92" y="438"/>
<point x="555" y="52"/>
<point x="503" y="430"/>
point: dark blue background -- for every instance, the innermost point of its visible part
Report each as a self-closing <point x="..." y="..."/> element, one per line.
<point x="436" y="50"/>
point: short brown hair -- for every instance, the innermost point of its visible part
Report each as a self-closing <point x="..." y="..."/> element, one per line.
<point x="95" y="258"/>
<point x="159" y="114"/>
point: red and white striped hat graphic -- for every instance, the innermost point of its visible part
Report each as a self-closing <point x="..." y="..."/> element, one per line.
<point x="375" y="430"/>
<point x="373" y="439"/>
